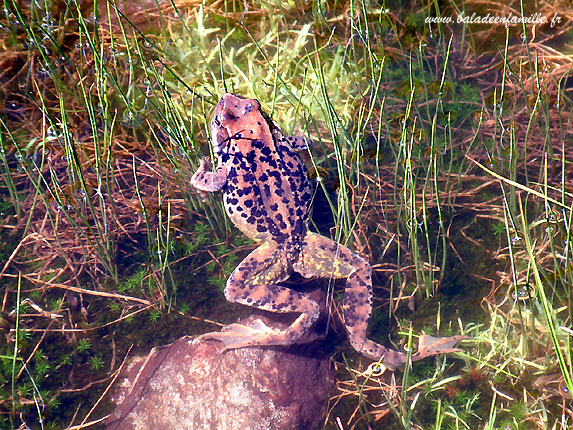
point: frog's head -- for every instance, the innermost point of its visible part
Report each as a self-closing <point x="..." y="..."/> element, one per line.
<point x="238" y="121"/>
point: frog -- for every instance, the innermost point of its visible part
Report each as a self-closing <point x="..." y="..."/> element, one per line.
<point x="267" y="196"/>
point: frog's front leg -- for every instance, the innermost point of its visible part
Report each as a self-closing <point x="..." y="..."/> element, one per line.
<point x="254" y="283"/>
<point x="206" y="180"/>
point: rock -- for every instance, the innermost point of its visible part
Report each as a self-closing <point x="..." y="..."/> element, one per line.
<point x="192" y="384"/>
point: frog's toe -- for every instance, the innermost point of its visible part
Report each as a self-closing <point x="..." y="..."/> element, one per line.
<point x="430" y="345"/>
<point x="239" y="335"/>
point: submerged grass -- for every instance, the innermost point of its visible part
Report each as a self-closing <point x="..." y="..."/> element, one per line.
<point x="445" y="160"/>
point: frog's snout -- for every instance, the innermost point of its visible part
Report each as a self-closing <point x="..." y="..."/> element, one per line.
<point x="232" y="107"/>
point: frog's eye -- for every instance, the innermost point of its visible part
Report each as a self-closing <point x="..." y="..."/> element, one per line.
<point x="252" y="105"/>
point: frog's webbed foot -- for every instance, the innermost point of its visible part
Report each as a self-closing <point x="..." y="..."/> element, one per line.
<point x="239" y="335"/>
<point x="428" y="346"/>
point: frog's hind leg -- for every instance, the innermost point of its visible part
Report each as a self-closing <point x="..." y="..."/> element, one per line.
<point x="322" y="257"/>
<point x="253" y="283"/>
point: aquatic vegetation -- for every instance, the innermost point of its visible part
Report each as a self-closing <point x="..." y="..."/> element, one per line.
<point x="96" y="362"/>
<point x="154" y="315"/>
<point x="83" y="346"/>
